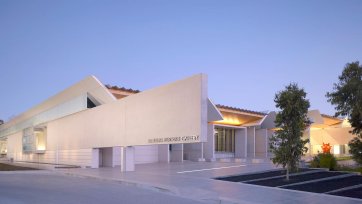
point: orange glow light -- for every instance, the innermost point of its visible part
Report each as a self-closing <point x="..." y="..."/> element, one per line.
<point x="229" y="121"/>
<point x="326" y="148"/>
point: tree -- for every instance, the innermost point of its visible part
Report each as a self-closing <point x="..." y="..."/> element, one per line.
<point x="347" y="99"/>
<point x="287" y="144"/>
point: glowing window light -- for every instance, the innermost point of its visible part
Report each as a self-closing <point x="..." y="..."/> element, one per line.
<point x="40" y="148"/>
<point x="229" y="121"/>
<point x="336" y="149"/>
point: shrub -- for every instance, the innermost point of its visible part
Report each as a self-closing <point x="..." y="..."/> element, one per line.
<point x="355" y="146"/>
<point x="350" y="168"/>
<point x="324" y="160"/>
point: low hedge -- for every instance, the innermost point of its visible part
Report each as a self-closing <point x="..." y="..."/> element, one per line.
<point x="324" y="160"/>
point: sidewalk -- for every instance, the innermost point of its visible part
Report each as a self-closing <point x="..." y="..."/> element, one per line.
<point x="194" y="180"/>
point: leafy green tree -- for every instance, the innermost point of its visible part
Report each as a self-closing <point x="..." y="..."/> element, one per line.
<point x="347" y="99"/>
<point x="287" y="144"/>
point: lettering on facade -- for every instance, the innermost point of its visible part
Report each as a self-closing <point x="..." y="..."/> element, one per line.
<point x="191" y="138"/>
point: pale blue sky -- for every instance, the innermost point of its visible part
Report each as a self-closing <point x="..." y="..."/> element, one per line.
<point x="249" y="49"/>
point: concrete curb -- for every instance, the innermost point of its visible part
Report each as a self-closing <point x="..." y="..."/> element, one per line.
<point x="293" y="174"/>
<point x="316" y="180"/>
<point x="344" y="189"/>
<point x="306" y="192"/>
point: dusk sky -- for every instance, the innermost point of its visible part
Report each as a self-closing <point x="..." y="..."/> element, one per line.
<point x="249" y="49"/>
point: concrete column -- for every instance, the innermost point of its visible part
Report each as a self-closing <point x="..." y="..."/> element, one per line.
<point x="240" y="140"/>
<point x="254" y="142"/>
<point x="266" y="143"/>
<point x="251" y="141"/>
<point x="95" y="158"/>
<point x="310" y="143"/>
<point x="57" y="155"/>
<point x="128" y="159"/>
<point x="117" y="156"/>
<point x="202" y="152"/>
<point x="164" y="153"/>
<point x="246" y="142"/>
<point x="209" y="146"/>
<point x="177" y="152"/>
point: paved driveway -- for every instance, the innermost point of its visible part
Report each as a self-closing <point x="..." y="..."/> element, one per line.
<point x="194" y="180"/>
<point x="154" y="183"/>
<point x="50" y="187"/>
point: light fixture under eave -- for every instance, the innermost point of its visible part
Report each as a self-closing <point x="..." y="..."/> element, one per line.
<point x="228" y="121"/>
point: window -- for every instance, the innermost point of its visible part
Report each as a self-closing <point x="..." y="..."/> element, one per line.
<point x="3" y="146"/>
<point x="34" y="140"/>
<point x="28" y="140"/>
<point x="40" y="139"/>
<point x="225" y="140"/>
<point x="90" y="103"/>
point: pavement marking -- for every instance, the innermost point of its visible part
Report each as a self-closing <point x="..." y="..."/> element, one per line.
<point x="225" y="167"/>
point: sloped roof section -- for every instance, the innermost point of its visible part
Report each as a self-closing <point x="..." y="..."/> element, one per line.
<point x="90" y="86"/>
<point x="122" y="89"/>
<point x="240" y="110"/>
<point x="213" y="114"/>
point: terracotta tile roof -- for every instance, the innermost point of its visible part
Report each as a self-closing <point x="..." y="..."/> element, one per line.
<point x="329" y="116"/>
<point x="122" y="89"/>
<point x="241" y="110"/>
<point x="217" y="105"/>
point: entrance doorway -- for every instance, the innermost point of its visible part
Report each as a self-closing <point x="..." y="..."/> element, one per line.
<point x="224" y="142"/>
<point x="106" y="157"/>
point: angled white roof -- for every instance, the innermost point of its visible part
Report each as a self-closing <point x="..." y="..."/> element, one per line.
<point x="90" y="85"/>
<point x="213" y="114"/>
<point x="315" y="117"/>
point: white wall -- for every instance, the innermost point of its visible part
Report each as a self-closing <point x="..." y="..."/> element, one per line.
<point x="261" y="141"/>
<point x="176" y="153"/>
<point x="14" y="146"/>
<point x="192" y="151"/>
<point x="333" y="136"/>
<point x="174" y="110"/>
<point x="251" y="135"/>
<point x="240" y="143"/>
<point x="70" y="100"/>
<point x="146" y="154"/>
<point x="163" y="153"/>
<point x="117" y="156"/>
<point x="209" y="146"/>
<point x="81" y="157"/>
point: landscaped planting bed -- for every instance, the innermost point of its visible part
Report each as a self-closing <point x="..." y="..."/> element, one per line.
<point x="328" y="185"/>
<point x="295" y="179"/>
<point x="329" y="182"/>
<point x="353" y="193"/>
<point x="7" y="167"/>
<point x="247" y="177"/>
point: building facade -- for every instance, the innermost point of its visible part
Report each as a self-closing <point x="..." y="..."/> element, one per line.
<point x="94" y="125"/>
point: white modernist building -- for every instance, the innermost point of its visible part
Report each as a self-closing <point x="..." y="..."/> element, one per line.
<point x="93" y="125"/>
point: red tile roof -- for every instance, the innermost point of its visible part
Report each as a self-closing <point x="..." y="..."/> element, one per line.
<point x="217" y="105"/>
<point x="331" y="117"/>
<point x="122" y="89"/>
<point x="241" y="110"/>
